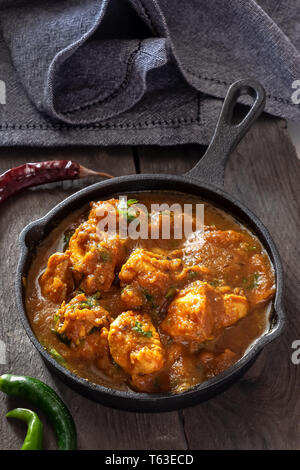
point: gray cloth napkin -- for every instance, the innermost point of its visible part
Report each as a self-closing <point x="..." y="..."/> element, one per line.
<point x="139" y="71"/>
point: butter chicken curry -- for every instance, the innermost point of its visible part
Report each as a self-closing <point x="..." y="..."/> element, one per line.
<point x="155" y="315"/>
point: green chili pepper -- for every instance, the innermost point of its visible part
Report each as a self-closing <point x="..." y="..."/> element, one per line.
<point x="34" y="436"/>
<point x="48" y="401"/>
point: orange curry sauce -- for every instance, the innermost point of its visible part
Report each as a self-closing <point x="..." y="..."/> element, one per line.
<point x="153" y="315"/>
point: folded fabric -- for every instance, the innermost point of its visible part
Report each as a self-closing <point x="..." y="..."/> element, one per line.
<point x="139" y="71"/>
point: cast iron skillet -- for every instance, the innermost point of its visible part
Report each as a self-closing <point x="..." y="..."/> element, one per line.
<point x="204" y="180"/>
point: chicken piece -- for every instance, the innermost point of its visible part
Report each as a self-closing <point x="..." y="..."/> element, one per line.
<point x="84" y="237"/>
<point x="78" y="319"/>
<point x="179" y="373"/>
<point x="132" y="297"/>
<point x="149" y="276"/>
<point x="95" y="260"/>
<point x="151" y="270"/>
<point x="236" y="307"/>
<point x="190" y="315"/>
<point x="199" y="312"/>
<point x="218" y="249"/>
<point x="116" y="217"/>
<point x="215" y="364"/>
<point x="101" y="209"/>
<point x="259" y="281"/>
<point x="57" y="281"/>
<point x="172" y="222"/>
<point x="135" y="344"/>
<point x="104" y="360"/>
<point x="92" y="348"/>
<point x="167" y="229"/>
<point x="235" y="259"/>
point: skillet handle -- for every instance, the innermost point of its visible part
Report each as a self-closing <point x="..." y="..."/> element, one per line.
<point x="211" y="167"/>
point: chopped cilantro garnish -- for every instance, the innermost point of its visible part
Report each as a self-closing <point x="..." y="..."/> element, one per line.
<point x="84" y="304"/>
<point x="90" y="302"/>
<point x="104" y="254"/>
<point x="138" y="327"/>
<point x="171" y="292"/>
<point x="124" y="209"/>
<point x="127" y="215"/>
<point x="58" y="357"/>
<point x="67" y="235"/>
<point x="97" y="295"/>
<point x="150" y="298"/>
<point x="116" y="365"/>
<point x="253" y="282"/>
<point x="56" y="317"/>
<point x="130" y="202"/>
<point x="192" y="274"/>
<point x="94" y="330"/>
<point x="61" y="337"/>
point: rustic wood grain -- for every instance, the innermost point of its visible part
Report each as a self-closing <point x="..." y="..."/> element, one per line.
<point x="169" y="160"/>
<point x="98" y="427"/>
<point x="262" y="410"/>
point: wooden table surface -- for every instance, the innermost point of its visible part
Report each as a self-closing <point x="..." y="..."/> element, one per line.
<point x="261" y="410"/>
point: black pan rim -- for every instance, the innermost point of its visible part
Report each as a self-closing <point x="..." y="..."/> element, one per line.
<point x="137" y="400"/>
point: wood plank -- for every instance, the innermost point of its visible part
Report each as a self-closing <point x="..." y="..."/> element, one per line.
<point x="255" y="413"/>
<point x="261" y="411"/>
<point x="170" y="160"/>
<point x="98" y="427"/>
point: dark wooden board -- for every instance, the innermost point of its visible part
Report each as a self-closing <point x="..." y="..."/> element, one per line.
<point x="261" y="410"/>
<point x="98" y="427"/>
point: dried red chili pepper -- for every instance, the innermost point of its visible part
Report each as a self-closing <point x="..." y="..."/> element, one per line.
<point x="34" y="174"/>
